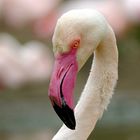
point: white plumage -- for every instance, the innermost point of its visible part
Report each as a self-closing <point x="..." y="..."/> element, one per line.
<point x="96" y="37"/>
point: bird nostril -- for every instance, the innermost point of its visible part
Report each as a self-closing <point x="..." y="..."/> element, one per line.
<point x="60" y="72"/>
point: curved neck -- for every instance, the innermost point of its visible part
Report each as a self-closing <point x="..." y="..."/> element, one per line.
<point x="97" y="92"/>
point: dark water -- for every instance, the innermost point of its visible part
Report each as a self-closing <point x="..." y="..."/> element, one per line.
<point x="25" y="113"/>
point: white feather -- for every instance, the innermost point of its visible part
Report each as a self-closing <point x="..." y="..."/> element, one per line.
<point x="98" y="38"/>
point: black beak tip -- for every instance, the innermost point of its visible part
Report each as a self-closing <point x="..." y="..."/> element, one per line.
<point x="66" y="114"/>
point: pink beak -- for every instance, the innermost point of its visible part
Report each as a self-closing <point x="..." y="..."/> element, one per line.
<point x="62" y="86"/>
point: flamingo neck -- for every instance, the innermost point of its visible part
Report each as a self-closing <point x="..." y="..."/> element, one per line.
<point x="97" y="92"/>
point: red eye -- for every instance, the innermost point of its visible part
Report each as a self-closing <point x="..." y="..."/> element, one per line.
<point x="76" y="44"/>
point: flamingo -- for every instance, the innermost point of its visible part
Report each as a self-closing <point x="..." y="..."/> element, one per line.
<point x="78" y="34"/>
<point x="33" y="65"/>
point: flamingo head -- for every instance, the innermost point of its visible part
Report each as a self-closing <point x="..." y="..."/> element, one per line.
<point x="63" y="81"/>
<point x="71" y="51"/>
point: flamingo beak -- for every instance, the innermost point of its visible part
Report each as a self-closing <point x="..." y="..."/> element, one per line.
<point x="62" y="86"/>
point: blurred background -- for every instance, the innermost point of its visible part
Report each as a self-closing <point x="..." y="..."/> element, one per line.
<point x="26" y="60"/>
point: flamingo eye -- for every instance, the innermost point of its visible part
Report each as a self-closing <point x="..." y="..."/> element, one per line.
<point x="76" y="44"/>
